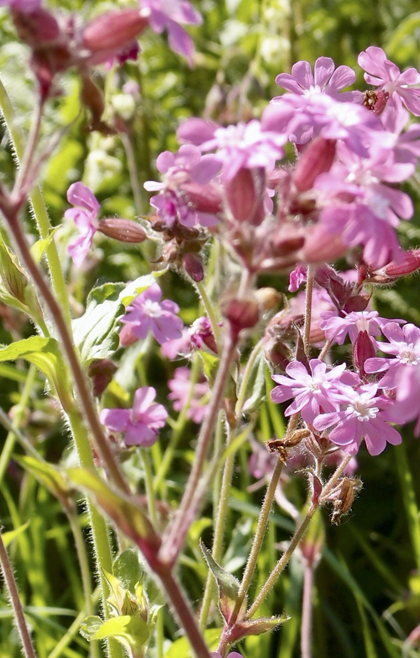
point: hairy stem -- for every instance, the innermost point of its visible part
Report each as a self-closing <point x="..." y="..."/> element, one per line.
<point x="282" y="563"/>
<point x="38" y="206"/>
<point x="12" y="589"/>
<point x="218" y="531"/>
<point x="84" y="395"/>
<point x="308" y="308"/>
<point x="175" y="536"/>
<point x="307" y="609"/>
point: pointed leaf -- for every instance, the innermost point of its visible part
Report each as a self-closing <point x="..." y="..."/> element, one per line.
<point x="127" y="569"/>
<point x="48" y="475"/>
<point x="9" y="536"/>
<point x="132" y="632"/>
<point x="257" y="626"/>
<point x="227" y="584"/>
<point x="13" y="276"/>
<point x="258" y="389"/>
<point x="39" y="247"/>
<point x="126" y="515"/>
<point x="46" y="354"/>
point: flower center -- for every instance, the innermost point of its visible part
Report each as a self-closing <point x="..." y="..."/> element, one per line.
<point x="152" y="309"/>
<point x="409" y="356"/>
<point x="362" y="411"/>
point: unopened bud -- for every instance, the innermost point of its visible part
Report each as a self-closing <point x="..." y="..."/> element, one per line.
<point x="286" y="240"/>
<point x="101" y="372"/>
<point x="204" y="198"/>
<point x="114" y="30"/>
<point x="363" y="349"/>
<point x="268" y="298"/>
<point x="315" y="160"/>
<point x="37" y="28"/>
<point x="126" y="336"/>
<point x="245" y="194"/>
<point x="241" y="313"/>
<point x="408" y="263"/>
<point x="193" y="266"/>
<point x="124" y="230"/>
<point x="321" y="246"/>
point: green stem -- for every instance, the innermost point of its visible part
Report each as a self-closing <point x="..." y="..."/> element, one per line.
<point x="175" y="536"/>
<point x="179" y="428"/>
<point x="12" y="589"/>
<point x="282" y="563"/>
<point x="258" y="539"/>
<point x="38" y="206"/>
<point x="20" y="410"/>
<point x="308" y="308"/>
<point x="148" y="478"/>
<point x="100" y="535"/>
<point x="210" y="312"/>
<point x="218" y="531"/>
<point x="409" y="498"/>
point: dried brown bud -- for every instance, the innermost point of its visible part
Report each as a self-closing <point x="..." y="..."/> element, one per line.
<point x="348" y="488"/>
<point x="114" y="30"/>
<point x="316" y="159"/>
<point x="124" y="230"/>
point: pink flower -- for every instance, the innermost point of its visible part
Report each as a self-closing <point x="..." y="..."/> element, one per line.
<point x="178" y="168"/>
<point x="139" y="424"/>
<point x="365" y="415"/>
<point x="384" y="74"/>
<point x="25" y="6"/>
<point x="180" y="387"/>
<point x="326" y="79"/>
<point x="312" y="392"/>
<point x="404" y="345"/>
<point x="297" y="277"/>
<point x="147" y="312"/>
<point x="233" y="654"/>
<point x="336" y="328"/>
<point x="84" y="216"/>
<point x="245" y="145"/>
<point x="167" y="14"/>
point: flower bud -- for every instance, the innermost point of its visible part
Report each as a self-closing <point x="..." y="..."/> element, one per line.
<point x="241" y="313"/>
<point x="363" y="349"/>
<point x="37" y="28"/>
<point x="114" y="30"/>
<point x="193" y="266"/>
<point x="245" y="194"/>
<point x="204" y="198"/>
<point x="126" y="336"/>
<point x="101" y="372"/>
<point x="286" y="240"/>
<point x="408" y="263"/>
<point x="315" y="160"/>
<point x="124" y="230"/>
<point x="321" y="246"/>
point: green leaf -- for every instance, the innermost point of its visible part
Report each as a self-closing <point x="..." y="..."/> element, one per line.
<point x="210" y="365"/>
<point x="96" y="331"/>
<point x="48" y="475"/>
<point x="127" y="569"/>
<point x="17" y="291"/>
<point x="227" y="584"/>
<point x="9" y="536"/>
<point x="90" y="626"/>
<point x="259" y="388"/>
<point x="134" y="629"/>
<point x="259" y="626"/>
<point x="45" y="354"/>
<point x="129" y="518"/>
<point x="181" y="647"/>
<point x="39" y="247"/>
<point x="120" y="599"/>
